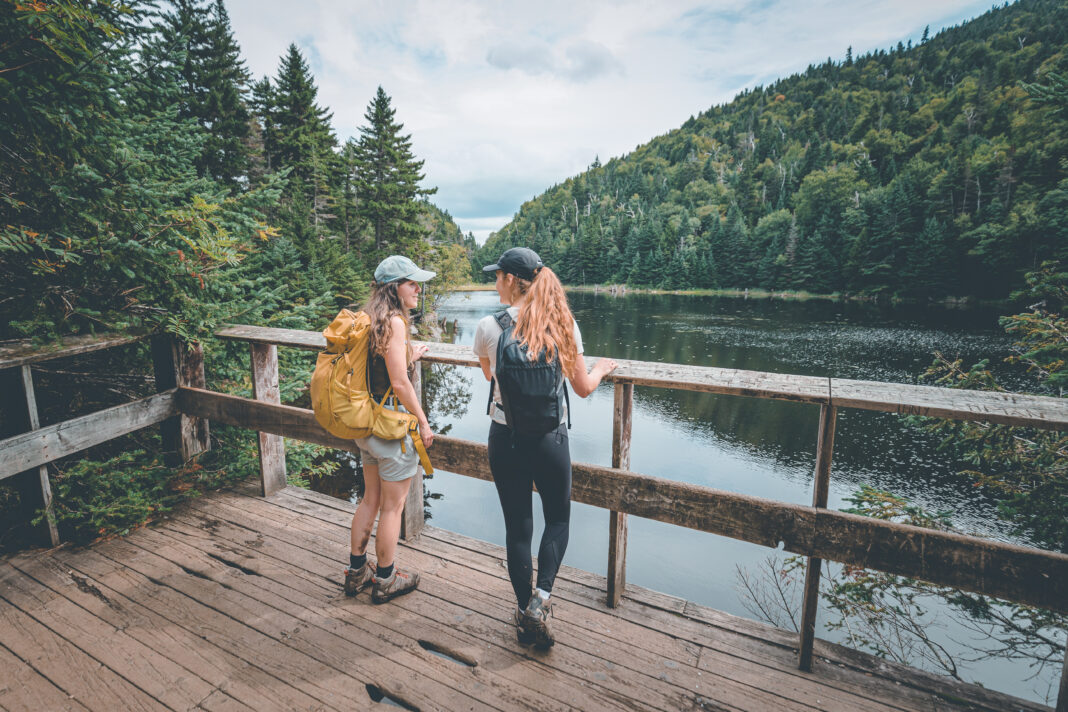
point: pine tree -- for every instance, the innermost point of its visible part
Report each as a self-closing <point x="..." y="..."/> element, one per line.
<point x="300" y="137"/>
<point x="387" y="179"/>
<point x="214" y="79"/>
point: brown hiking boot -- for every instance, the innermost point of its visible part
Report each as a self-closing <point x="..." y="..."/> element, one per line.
<point x="536" y="620"/>
<point x="398" y="584"/>
<point x="523" y="633"/>
<point x="357" y="580"/>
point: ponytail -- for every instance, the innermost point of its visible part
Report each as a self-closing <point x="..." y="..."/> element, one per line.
<point x="545" y="321"/>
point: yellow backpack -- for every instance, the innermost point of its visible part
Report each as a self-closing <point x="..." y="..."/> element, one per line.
<point x="341" y="394"/>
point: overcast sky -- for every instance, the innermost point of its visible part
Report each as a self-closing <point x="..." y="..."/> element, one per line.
<point x="504" y="99"/>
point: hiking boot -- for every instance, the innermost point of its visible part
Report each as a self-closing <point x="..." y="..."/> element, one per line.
<point x="398" y="584"/>
<point x="523" y="633"/>
<point x="357" y="580"/>
<point x="536" y="619"/>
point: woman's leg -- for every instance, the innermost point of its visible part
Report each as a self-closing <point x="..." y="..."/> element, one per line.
<point x="389" y="520"/>
<point x="513" y="489"/>
<point x="364" y="518"/>
<point x="550" y="464"/>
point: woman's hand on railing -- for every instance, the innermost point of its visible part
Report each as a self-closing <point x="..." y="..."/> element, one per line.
<point x="418" y="351"/>
<point x="604" y="366"/>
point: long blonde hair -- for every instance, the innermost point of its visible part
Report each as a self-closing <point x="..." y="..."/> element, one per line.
<point x="545" y="321"/>
<point x="384" y="304"/>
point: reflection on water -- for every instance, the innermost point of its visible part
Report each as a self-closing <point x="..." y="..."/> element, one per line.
<point x="753" y="446"/>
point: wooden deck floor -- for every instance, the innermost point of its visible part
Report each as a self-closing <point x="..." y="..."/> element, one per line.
<point x="235" y="603"/>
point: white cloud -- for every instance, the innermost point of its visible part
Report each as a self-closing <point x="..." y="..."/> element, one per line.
<point x="504" y="99"/>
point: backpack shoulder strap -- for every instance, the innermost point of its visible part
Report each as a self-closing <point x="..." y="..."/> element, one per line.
<point x="503" y="319"/>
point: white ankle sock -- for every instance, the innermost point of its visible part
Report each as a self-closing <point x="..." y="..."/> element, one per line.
<point x="543" y="595"/>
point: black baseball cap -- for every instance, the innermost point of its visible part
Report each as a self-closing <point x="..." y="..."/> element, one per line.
<point x="523" y="262"/>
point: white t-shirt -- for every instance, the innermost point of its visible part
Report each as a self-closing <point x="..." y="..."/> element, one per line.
<point x="487" y="334"/>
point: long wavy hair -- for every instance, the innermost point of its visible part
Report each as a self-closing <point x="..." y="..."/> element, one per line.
<point x="545" y="321"/>
<point x="384" y="304"/>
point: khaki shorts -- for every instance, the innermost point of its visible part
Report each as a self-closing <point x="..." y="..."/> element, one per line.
<point x="393" y="464"/>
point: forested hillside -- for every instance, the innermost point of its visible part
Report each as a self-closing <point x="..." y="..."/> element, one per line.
<point x="146" y="182"/>
<point x="919" y="171"/>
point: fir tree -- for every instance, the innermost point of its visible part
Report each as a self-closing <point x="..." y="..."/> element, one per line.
<point x="299" y="137"/>
<point x="387" y="179"/>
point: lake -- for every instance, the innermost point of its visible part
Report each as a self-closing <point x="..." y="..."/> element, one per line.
<point x="746" y="445"/>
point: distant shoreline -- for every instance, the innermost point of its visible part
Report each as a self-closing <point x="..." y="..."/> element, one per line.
<point x="621" y="290"/>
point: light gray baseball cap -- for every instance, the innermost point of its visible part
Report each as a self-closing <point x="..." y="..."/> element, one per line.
<point x="397" y="267"/>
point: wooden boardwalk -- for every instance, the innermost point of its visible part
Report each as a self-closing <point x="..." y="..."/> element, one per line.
<point x="235" y="603"/>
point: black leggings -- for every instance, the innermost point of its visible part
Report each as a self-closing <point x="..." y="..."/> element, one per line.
<point x="517" y="463"/>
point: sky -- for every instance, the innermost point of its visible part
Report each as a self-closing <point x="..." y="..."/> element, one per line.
<point x="504" y="99"/>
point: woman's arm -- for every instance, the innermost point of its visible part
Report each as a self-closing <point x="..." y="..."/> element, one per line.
<point x="584" y="383"/>
<point x="483" y="361"/>
<point x="397" y="366"/>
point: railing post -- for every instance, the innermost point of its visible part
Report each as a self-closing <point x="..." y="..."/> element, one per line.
<point x="617" y="521"/>
<point x="412" y="520"/>
<point x="272" y="447"/>
<point x="824" y="448"/>
<point x="35" y="491"/>
<point x="1062" y="695"/>
<point x="177" y="363"/>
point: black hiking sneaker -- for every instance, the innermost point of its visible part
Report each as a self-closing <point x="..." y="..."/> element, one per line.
<point x="523" y="633"/>
<point x="398" y="584"/>
<point x="357" y="580"/>
<point x="536" y="619"/>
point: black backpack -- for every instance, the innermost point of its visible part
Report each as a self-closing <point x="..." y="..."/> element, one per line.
<point x="533" y="393"/>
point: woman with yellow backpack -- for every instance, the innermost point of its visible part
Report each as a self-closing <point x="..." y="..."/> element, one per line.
<point x="388" y="464"/>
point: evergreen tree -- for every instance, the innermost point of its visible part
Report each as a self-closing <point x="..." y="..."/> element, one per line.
<point x="387" y="179"/>
<point x="299" y="136"/>
<point x="214" y="79"/>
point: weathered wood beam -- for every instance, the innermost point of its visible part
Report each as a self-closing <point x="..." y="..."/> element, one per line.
<point x="1008" y="408"/>
<point x="412" y="517"/>
<point x="25" y="351"/>
<point x="1016" y="573"/>
<point x="1062" y="695"/>
<point x="623" y="410"/>
<point x="177" y="363"/>
<point x="264" y="366"/>
<point x="820" y="489"/>
<point x="984" y="406"/>
<point x="36" y="448"/>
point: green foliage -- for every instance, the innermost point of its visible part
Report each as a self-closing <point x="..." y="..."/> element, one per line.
<point x="1026" y="468"/>
<point x="387" y="177"/>
<point x="920" y="172"/>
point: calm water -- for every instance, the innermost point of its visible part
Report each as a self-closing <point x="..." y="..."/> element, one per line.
<point x="751" y="446"/>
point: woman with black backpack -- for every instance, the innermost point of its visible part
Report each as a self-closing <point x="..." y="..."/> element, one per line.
<point x="526" y="352"/>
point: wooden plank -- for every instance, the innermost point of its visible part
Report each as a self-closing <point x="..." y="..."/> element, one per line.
<point x="984" y="406"/>
<point x="201" y="618"/>
<point x="36" y="448"/>
<point x="69" y="668"/>
<point x="413" y="516"/>
<point x="163" y="679"/>
<point x="1008" y="408"/>
<point x="295" y="576"/>
<point x="845" y="669"/>
<point x="24" y="352"/>
<point x="622" y="418"/>
<point x="139" y="620"/>
<point x="1016" y="573"/>
<point x="265" y="388"/>
<point x="23" y="689"/>
<point x="246" y="597"/>
<point x="42" y="471"/>
<point x="178" y="364"/>
<point x="1062" y="695"/>
<point x="821" y="487"/>
<point x="477" y="604"/>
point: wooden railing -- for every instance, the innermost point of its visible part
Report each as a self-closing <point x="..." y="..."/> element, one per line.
<point x="1021" y="574"/>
